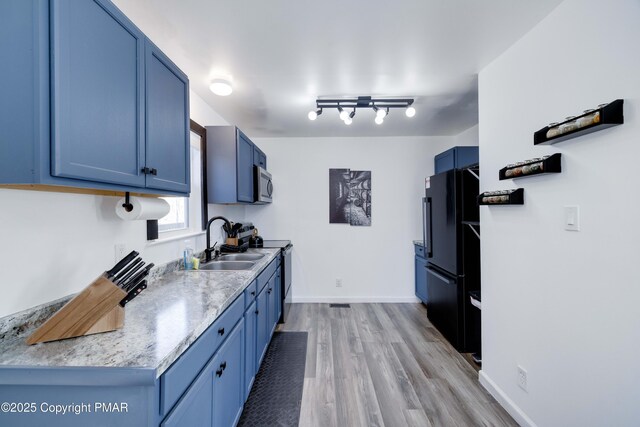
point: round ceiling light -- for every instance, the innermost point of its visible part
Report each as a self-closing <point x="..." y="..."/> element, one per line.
<point x="380" y="119"/>
<point x="221" y="87"/>
<point x="410" y="111"/>
<point x="348" y="121"/>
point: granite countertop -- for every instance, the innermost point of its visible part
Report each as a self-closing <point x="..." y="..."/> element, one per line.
<point x="160" y="324"/>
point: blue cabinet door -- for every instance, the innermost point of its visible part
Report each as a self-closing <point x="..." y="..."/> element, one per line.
<point x="24" y="89"/>
<point x="97" y="93"/>
<point x="195" y="409"/>
<point x="271" y="292"/>
<point x="421" y="278"/>
<point x="167" y="123"/>
<point x="278" y="297"/>
<point x="262" y="326"/>
<point x="244" y="168"/>
<point x="259" y="158"/>
<point x="250" y="322"/>
<point x="228" y="385"/>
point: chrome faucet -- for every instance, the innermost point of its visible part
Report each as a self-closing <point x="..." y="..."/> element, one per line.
<point x="211" y="249"/>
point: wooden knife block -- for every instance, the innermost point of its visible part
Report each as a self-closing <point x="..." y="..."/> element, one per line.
<point x="232" y="241"/>
<point x="94" y="310"/>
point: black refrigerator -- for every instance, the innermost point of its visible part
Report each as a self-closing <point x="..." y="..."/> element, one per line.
<point x="452" y="248"/>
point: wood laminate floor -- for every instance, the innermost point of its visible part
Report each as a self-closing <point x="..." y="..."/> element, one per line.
<point x="386" y="365"/>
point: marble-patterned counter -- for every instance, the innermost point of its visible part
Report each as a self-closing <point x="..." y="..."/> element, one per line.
<point x="160" y="324"/>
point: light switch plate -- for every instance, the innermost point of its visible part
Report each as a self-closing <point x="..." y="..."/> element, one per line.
<point x="572" y="218"/>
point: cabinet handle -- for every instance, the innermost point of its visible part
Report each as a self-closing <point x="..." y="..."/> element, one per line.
<point x="145" y="170"/>
<point x="223" y="365"/>
<point x="154" y="171"/>
<point x="269" y="291"/>
<point x="257" y="311"/>
<point x="221" y="331"/>
<point x="219" y="372"/>
<point x="253" y="293"/>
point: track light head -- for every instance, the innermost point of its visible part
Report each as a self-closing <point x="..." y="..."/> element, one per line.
<point x="353" y="113"/>
<point x="410" y="111"/>
<point x="343" y="113"/>
<point x="381" y="112"/>
<point x="314" y="114"/>
<point x="348" y="121"/>
<point x="379" y="119"/>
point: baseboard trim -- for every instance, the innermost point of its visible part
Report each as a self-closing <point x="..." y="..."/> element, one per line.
<point x="355" y="300"/>
<point x="509" y="405"/>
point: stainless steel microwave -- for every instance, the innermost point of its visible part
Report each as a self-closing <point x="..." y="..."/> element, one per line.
<point x="263" y="185"/>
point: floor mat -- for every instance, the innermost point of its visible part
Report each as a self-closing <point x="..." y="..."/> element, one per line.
<point x="277" y="391"/>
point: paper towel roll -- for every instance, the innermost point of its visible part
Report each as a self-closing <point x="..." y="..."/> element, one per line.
<point x="143" y="208"/>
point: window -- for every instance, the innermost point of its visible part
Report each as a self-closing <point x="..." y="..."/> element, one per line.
<point x="185" y="213"/>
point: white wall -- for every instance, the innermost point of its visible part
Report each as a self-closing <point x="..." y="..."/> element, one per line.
<point x="375" y="263"/>
<point x="54" y="244"/>
<point x="468" y="137"/>
<point x="564" y="305"/>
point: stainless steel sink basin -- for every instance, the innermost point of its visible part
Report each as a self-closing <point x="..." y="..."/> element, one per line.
<point x="226" y="265"/>
<point x="241" y="257"/>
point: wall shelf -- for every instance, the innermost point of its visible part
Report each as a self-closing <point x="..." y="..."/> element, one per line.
<point x="543" y="165"/>
<point x="502" y="197"/>
<point x="605" y="116"/>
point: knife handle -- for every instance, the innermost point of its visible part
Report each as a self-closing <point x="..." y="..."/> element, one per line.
<point x="120" y="265"/>
<point x="134" y="293"/>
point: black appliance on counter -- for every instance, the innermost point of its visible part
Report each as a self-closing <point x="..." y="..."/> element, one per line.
<point x="452" y="249"/>
<point x="286" y="248"/>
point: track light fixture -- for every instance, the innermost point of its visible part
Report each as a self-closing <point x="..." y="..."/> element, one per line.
<point x="380" y="106"/>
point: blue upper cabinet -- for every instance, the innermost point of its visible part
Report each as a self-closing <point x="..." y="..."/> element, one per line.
<point x="75" y="100"/>
<point x="24" y="90"/>
<point x="167" y="123"/>
<point x="245" y="168"/>
<point x="97" y="101"/>
<point x="259" y="158"/>
<point x="231" y="157"/>
<point x="455" y="158"/>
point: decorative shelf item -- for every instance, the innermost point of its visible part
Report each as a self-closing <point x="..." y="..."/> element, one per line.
<point x="502" y="197"/>
<point x="603" y="117"/>
<point x="546" y="164"/>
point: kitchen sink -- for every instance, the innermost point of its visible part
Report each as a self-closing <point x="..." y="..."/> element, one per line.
<point x="241" y="257"/>
<point x="226" y="265"/>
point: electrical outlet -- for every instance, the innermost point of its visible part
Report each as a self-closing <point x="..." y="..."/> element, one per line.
<point x="522" y="378"/>
<point x="338" y="283"/>
<point x="120" y="251"/>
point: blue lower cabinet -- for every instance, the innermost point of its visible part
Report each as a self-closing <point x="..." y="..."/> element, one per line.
<point x="195" y="408"/>
<point x="227" y="379"/>
<point x="250" y="323"/>
<point x="278" y="289"/>
<point x="421" y="278"/>
<point x="262" y="326"/>
<point x="273" y="312"/>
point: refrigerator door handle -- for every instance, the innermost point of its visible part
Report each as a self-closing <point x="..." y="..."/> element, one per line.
<point x="424" y="222"/>
<point x="438" y="275"/>
<point x="429" y="234"/>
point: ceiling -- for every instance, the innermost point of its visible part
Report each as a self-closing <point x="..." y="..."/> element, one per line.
<point x="282" y="55"/>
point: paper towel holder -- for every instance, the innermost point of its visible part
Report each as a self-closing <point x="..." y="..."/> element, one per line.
<point x="127" y="203"/>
